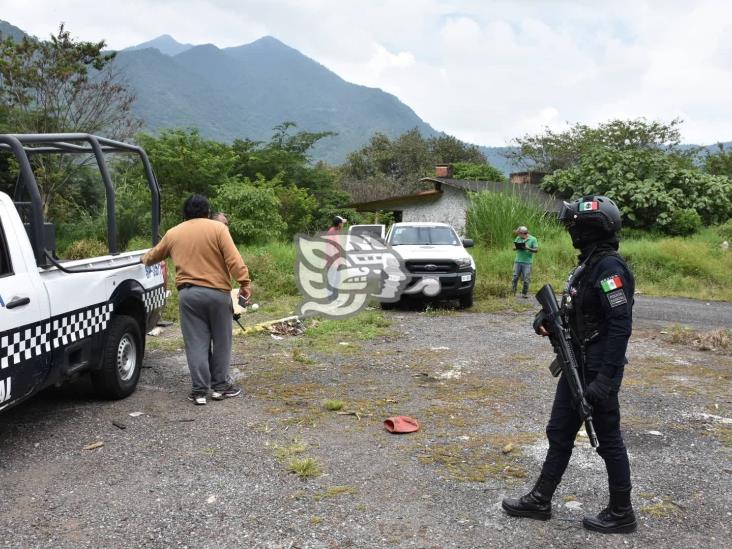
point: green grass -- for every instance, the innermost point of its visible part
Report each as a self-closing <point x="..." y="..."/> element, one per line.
<point x="286" y="453"/>
<point x="304" y="468"/>
<point x="692" y="267"/>
<point x="272" y="269"/>
<point x="333" y="405"/>
<point x="328" y="335"/>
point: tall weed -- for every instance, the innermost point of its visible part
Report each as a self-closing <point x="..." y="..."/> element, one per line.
<point x="272" y="269"/>
<point x="692" y="267"/>
<point x="492" y="218"/>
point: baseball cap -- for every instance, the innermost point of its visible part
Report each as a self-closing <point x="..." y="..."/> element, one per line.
<point x="522" y="229"/>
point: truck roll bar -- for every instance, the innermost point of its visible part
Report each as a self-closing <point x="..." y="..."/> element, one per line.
<point x="24" y="145"/>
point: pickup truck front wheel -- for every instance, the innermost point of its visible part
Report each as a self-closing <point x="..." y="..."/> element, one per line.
<point x="121" y="361"/>
<point x="466" y="300"/>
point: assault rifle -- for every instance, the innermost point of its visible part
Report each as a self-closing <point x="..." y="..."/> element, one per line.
<point x="566" y="362"/>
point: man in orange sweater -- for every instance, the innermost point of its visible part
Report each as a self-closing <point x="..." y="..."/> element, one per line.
<point x="205" y="259"/>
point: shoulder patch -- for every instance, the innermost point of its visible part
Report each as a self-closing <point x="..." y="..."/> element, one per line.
<point x="611" y="283"/>
<point x="616" y="298"/>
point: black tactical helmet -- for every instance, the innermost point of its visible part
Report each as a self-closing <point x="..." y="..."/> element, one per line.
<point x="590" y="219"/>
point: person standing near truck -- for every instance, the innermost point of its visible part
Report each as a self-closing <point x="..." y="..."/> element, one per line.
<point x="220" y="217"/>
<point x="334" y="257"/>
<point x="205" y="259"/>
<point x="526" y="246"/>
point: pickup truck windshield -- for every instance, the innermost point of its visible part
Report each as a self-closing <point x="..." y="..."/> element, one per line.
<point x="439" y="236"/>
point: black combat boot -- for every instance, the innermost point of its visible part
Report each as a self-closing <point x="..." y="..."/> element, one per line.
<point x="537" y="504"/>
<point x="617" y="518"/>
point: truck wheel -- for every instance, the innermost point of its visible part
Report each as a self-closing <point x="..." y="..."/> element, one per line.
<point x="466" y="300"/>
<point x="121" y="359"/>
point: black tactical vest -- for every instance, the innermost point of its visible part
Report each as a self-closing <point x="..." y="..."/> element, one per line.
<point x="584" y="321"/>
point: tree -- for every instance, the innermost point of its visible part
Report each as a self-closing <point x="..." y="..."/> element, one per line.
<point x="253" y="210"/>
<point x="386" y="167"/>
<point x="304" y="190"/>
<point x="286" y="154"/>
<point x="479" y="172"/>
<point x="719" y="163"/>
<point x="186" y="163"/>
<point x="62" y="85"/>
<point x="653" y="189"/>
<point x="551" y="151"/>
<point x="447" y="149"/>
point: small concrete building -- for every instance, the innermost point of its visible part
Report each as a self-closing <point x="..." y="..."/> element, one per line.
<point x="447" y="201"/>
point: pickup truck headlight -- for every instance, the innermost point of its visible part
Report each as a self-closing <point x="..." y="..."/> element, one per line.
<point x="464" y="263"/>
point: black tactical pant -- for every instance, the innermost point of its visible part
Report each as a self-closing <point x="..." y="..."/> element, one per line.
<point x="562" y="430"/>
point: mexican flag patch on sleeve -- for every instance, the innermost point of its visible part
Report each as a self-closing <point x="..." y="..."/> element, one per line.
<point x="612" y="283"/>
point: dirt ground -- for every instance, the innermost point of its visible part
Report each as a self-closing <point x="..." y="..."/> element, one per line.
<point x="278" y="468"/>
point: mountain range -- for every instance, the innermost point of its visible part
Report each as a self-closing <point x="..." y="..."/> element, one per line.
<point x="245" y="91"/>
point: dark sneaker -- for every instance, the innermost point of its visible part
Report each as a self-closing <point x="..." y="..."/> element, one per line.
<point x="199" y="399"/>
<point x="230" y="392"/>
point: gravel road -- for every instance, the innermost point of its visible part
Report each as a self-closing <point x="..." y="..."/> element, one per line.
<point x="694" y="313"/>
<point x="217" y="476"/>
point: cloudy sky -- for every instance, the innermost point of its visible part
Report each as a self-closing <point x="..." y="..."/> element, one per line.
<point x="484" y="71"/>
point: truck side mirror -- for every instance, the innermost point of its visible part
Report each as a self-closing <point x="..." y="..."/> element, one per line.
<point x="468" y="243"/>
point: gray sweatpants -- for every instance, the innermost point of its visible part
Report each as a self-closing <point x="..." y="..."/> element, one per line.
<point x="206" y="322"/>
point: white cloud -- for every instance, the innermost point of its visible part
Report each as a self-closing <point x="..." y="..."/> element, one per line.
<point x="484" y="71"/>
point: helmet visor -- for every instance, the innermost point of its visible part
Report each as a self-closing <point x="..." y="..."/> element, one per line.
<point x="568" y="213"/>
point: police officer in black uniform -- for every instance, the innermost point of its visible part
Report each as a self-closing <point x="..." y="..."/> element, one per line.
<point x="597" y="304"/>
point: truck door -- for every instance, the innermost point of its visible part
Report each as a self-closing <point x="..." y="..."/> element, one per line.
<point x="24" y="325"/>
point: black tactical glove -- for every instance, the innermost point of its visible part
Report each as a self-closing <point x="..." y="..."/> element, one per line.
<point x="599" y="389"/>
<point x="540" y="320"/>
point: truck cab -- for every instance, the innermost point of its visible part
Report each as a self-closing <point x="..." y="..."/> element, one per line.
<point x="59" y="319"/>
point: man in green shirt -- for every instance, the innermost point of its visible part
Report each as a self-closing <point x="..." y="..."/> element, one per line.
<point x="526" y="246"/>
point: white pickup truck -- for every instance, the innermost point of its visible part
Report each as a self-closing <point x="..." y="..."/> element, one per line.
<point x="438" y="265"/>
<point x="62" y="318"/>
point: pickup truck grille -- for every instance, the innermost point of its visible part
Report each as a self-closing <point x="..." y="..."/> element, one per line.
<point x="422" y="267"/>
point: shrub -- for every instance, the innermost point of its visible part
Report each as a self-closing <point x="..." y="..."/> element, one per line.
<point x="253" y="211"/>
<point x="138" y="243"/>
<point x="86" y="248"/>
<point x="683" y="222"/>
<point x="725" y="230"/>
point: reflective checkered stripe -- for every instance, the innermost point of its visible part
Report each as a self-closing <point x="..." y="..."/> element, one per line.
<point x="33" y="340"/>
<point x="154" y="298"/>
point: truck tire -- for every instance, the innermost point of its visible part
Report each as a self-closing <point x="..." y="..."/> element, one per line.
<point x="121" y="359"/>
<point x="466" y="300"/>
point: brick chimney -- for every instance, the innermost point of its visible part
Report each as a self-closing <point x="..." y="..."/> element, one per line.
<point x="443" y="170"/>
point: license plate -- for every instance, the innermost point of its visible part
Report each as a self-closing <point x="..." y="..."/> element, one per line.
<point x="465" y="278"/>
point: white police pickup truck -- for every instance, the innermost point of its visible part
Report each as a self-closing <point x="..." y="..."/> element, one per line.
<point x="62" y="318"/>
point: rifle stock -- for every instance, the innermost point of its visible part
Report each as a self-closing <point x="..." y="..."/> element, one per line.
<point x="566" y="361"/>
